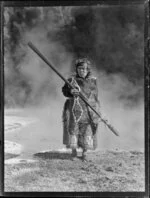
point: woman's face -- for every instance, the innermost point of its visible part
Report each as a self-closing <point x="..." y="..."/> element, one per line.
<point x="82" y="70"/>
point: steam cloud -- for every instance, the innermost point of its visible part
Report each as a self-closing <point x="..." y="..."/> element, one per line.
<point x="111" y="37"/>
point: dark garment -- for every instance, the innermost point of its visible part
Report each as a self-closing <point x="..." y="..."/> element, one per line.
<point x="80" y="122"/>
<point x="84" y="137"/>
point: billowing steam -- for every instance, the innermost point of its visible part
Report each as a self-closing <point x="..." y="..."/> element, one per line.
<point x="112" y="37"/>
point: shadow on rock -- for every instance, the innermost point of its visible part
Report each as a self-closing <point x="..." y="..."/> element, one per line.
<point x="53" y="155"/>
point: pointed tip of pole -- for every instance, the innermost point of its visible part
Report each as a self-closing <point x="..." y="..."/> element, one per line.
<point x="118" y="134"/>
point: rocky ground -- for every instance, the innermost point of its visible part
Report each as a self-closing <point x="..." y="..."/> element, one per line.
<point x="114" y="171"/>
<point x="53" y="170"/>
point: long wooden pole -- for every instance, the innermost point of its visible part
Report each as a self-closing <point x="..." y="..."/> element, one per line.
<point x="71" y="86"/>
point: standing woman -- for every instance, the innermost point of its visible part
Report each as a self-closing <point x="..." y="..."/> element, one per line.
<point x="80" y="123"/>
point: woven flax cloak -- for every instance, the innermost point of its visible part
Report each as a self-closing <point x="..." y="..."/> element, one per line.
<point x="77" y="112"/>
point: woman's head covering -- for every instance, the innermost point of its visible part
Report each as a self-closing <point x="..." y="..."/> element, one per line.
<point x="80" y="61"/>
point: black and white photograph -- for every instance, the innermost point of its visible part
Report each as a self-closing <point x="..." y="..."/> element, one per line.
<point x="74" y="102"/>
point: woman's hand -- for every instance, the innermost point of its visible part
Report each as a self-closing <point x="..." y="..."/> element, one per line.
<point x="75" y="92"/>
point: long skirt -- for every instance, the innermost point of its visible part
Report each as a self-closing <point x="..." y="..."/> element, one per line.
<point x="82" y="138"/>
<point x="81" y="134"/>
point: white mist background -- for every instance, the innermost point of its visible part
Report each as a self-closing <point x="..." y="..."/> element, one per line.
<point x="48" y="131"/>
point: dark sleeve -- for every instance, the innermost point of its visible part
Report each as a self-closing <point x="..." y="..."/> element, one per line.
<point x="66" y="91"/>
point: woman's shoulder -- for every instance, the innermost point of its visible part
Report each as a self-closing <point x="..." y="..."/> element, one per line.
<point x="93" y="78"/>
